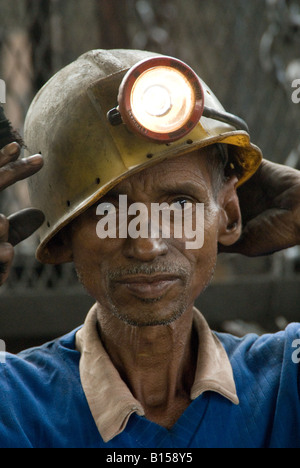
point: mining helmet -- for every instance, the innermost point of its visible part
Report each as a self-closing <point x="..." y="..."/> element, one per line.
<point x="112" y="113"/>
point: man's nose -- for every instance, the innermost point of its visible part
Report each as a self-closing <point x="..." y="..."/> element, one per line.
<point x="145" y="249"/>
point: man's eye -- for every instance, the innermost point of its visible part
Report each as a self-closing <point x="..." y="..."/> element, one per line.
<point x="181" y="204"/>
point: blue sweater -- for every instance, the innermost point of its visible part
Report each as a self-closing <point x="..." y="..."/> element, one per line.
<point x="42" y="403"/>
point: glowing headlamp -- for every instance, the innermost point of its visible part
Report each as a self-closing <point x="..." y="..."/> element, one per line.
<point x="162" y="99"/>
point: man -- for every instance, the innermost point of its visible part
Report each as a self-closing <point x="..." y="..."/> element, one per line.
<point x="145" y="370"/>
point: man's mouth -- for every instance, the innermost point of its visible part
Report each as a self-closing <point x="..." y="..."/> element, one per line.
<point x="148" y="286"/>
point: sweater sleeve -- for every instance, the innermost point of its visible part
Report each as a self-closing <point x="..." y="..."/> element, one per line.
<point x="13" y="398"/>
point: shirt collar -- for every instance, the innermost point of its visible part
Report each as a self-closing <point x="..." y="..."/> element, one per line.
<point x="110" y="400"/>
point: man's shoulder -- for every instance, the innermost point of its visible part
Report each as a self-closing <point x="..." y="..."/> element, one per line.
<point x="37" y="364"/>
<point x="41" y="396"/>
<point x="270" y="361"/>
<point x="62" y="345"/>
<point x="266" y="346"/>
<point x="266" y="373"/>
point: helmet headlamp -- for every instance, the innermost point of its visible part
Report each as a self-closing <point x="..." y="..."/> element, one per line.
<point x="162" y="99"/>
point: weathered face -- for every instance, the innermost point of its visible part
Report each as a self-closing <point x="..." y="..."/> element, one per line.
<point x="152" y="280"/>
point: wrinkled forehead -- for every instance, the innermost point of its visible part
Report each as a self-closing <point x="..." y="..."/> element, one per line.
<point x="190" y="170"/>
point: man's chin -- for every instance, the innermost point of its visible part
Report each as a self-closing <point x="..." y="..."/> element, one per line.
<point x="145" y="316"/>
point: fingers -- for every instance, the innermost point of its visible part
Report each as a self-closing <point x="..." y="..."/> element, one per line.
<point x="9" y="153"/>
<point x="6" y="259"/>
<point x="23" y="224"/>
<point x="12" y="231"/>
<point x="4" y="228"/>
<point x="270" y="232"/>
<point x="19" y="170"/>
<point x="13" y="169"/>
<point x="6" y="250"/>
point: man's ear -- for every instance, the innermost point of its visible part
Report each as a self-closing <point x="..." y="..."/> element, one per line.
<point x="230" y="223"/>
<point x="59" y="248"/>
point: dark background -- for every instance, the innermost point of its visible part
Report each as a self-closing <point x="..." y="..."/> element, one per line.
<point x="248" y="52"/>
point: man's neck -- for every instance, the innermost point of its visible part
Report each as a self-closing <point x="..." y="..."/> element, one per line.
<point x="157" y="363"/>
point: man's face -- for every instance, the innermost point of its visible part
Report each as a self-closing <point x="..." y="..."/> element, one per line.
<point x="150" y="281"/>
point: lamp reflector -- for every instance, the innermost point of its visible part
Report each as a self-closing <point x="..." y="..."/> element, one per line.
<point x="161" y="99"/>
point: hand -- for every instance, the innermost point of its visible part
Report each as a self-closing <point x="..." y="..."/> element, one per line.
<point x="20" y="225"/>
<point x="270" y="206"/>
